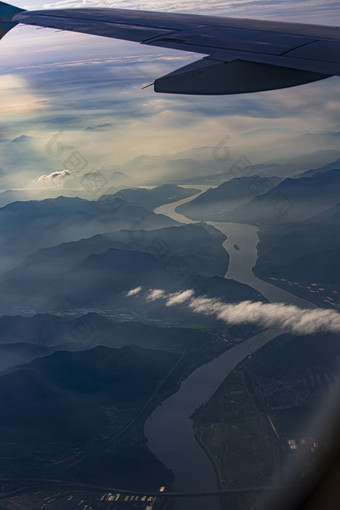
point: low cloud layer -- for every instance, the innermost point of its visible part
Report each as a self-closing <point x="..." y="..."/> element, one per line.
<point x="290" y="318"/>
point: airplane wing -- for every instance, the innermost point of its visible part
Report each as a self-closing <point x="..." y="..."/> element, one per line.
<point x="239" y="55"/>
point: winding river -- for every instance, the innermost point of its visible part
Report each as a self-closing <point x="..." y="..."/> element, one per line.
<point x="169" y="428"/>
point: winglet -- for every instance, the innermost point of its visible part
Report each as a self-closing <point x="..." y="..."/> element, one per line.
<point x="7" y="12"/>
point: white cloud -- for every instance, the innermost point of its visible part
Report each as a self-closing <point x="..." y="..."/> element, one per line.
<point x="134" y="292"/>
<point x="179" y="297"/>
<point x="270" y="315"/>
<point x="55" y="176"/>
<point x="155" y="294"/>
<point x="290" y="318"/>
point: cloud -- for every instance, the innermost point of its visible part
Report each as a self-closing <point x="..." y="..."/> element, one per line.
<point x="99" y="127"/>
<point x="134" y="292"/>
<point x="290" y="318"/>
<point x="270" y="315"/>
<point x="55" y="176"/>
<point x="17" y="98"/>
<point x="155" y="294"/>
<point x="179" y="297"/>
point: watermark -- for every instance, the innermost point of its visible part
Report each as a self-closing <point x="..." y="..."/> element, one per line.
<point x="222" y="152"/>
<point x="83" y="332"/>
<point x="176" y="266"/>
<point x="93" y="181"/>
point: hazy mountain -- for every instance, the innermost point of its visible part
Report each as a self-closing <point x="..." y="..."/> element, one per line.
<point x="214" y="165"/>
<point x="8" y="196"/>
<point x="288" y="167"/>
<point x="63" y="412"/>
<point x="41" y="329"/>
<point x="152" y="198"/>
<point x="22" y="153"/>
<point x="215" y="203"/>
<point x="197" y="239"/>
<point x="99" y="280"/>
<point x="27" y="226"/>
<point x="321" y="170"/>
<point x="177" y="170"/>
<point x="188" y="168"/>
<point x="47" y="331"/>
<point x="117" y="262"/>
<point x="19" y="353"/>
<point x="62" y="397"/>
<point x="306" y="251"/>
<point x="292" y="200"/>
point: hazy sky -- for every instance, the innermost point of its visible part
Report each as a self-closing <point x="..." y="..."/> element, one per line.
<point x="89" y="90"/>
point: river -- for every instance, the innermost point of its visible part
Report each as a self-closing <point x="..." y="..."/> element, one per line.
<point x="169" y="428"/>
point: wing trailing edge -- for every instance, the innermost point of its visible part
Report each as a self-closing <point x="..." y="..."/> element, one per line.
<point x="212" y="77"/>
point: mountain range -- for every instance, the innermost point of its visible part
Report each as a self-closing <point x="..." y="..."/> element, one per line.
<point x="23" y="339"/>
<point x="306" y="251"/>
<point x="215" y="204"/>
<point x="62" y="396"/>
<point x="152" y="198"/>
<point x="99" y="270"/>
<point x="292" y="200"/>
<point x="264" y="201"/>
<point x="27" y="226"/>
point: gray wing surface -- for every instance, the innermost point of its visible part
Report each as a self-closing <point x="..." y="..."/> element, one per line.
<point x="239" y="55"/>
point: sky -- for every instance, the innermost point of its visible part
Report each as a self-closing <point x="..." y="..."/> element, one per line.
<point x="64" y="94"/>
